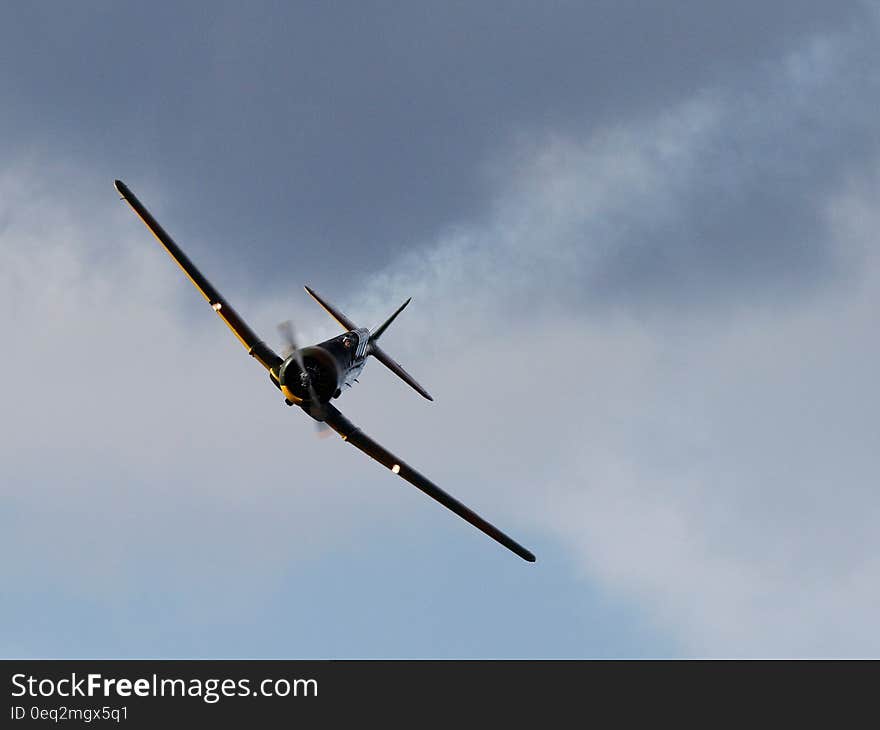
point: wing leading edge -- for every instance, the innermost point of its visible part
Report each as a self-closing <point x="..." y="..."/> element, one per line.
<point x="258" y="349"/>
<point x="357" y="438"/>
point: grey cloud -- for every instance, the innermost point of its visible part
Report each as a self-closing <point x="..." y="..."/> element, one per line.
<point x="716" y="203"/>
<point x="328" y="136"/>
<point x="713" y="461"/>
<point x="717" y="469"/>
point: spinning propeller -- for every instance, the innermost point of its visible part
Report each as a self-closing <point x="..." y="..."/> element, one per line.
<point x="285" y="329"/>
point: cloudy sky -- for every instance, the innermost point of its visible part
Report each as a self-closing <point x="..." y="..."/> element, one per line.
<point x="641" y="241"/>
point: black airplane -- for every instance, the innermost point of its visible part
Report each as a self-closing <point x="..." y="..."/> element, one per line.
<point x="310" y="377"/>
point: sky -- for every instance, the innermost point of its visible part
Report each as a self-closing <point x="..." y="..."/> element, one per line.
<point x="641" y="245"/>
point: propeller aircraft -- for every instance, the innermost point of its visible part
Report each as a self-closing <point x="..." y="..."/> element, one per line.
<point x="311" y="377"/>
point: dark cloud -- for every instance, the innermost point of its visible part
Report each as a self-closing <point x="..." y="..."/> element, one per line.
<point x="335" y="139"/>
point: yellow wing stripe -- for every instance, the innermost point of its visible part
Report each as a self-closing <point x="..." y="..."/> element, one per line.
<point x="245" y="335"/>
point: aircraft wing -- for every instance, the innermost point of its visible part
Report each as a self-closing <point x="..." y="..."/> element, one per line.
<point x="353" y="435"/>
<point x="253" y="344"/>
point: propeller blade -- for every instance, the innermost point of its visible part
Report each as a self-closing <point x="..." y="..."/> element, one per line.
<point x="285" y="329"/>
<point x="322" y="430"/>
<point x="288" y="335"/>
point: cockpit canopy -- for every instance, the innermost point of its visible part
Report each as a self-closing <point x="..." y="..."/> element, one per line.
<point x="356" y="342"/>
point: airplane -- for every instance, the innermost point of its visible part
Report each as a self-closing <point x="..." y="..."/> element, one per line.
<point x="310" y="377"/>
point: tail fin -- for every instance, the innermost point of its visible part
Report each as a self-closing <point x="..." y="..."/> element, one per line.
<point x="373" y="348"/>
<point x="374" y="336"/>
<point x="390" y="363"/>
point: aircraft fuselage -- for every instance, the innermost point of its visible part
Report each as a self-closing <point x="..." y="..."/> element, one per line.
<point x="331" y="366"/>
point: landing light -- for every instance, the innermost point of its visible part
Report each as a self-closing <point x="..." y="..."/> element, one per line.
<point x="396" y="468"/>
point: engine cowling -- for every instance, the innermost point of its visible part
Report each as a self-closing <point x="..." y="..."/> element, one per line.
<point x="321" y="372"/>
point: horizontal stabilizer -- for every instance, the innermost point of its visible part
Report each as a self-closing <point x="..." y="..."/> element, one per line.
<point x="395" y="368"/>
<point x="344" y="321"/>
